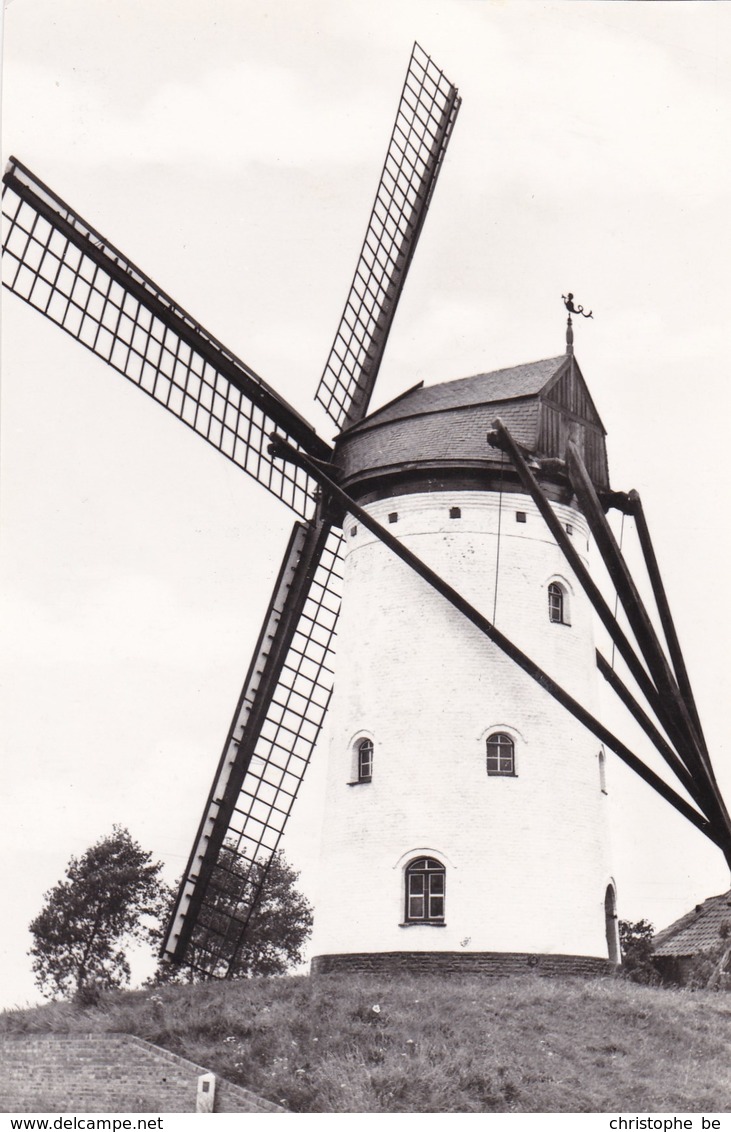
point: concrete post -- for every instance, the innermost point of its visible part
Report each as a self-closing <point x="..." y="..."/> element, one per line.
<point x="206" y="1095"/>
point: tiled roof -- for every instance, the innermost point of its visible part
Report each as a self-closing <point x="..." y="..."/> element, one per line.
<point x="699" y="930"/>
<point x="449" y="438"/>
<point x="480" y="389"/>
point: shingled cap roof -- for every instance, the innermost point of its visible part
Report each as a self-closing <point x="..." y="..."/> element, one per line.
<point x="438" y="431"/>
<point x="703" y="929"/>
<point x="481" y="389"/>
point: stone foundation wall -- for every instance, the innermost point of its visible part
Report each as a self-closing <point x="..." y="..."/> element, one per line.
<point x="462" y="963"/>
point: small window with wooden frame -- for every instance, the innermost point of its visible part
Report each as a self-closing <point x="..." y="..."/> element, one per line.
<point x="500" y="755"/>
<point x="425" y="887"/>
<point x="558" y="605"/>
<point x="365" y="760"/>
<point x="361" y="759"/>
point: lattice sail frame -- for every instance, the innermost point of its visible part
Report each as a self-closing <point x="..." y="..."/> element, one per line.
<point x="57" y="263"/>
<point x="62" y="267"/>
<point x="236" y="841"/>
<point x="426" y="114"/>
<point x="267" y="751"/>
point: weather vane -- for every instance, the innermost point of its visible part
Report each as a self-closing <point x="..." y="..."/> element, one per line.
<point x="568" y="301"/>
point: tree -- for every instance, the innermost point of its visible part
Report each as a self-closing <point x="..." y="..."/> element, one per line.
<point x="278" y="925"/>
<point x="636" y="943"/>
<point x="110" y="898"/>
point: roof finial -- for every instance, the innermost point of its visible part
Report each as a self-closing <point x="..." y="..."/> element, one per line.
<point x="568" y="302"/>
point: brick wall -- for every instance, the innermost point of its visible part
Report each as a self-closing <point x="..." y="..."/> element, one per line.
<point x="106" y="1073"/>
<point x="461" y="963"/>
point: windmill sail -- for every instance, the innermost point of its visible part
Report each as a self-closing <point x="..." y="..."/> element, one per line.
<point x="424" y="120"/>
<point x="61" y="266"/>
<point x="287" y="691"/>
<point x="58" y="264"/>
<point x="267" y="751"/>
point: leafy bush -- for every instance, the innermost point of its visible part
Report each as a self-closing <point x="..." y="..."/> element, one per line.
<point x="635" y="940"/>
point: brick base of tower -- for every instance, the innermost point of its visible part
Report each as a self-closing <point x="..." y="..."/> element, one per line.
<point x="492" y="963"/>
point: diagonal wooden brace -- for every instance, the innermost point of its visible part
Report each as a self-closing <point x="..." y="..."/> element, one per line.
<point x="663" y="608"/>
<point x="644" y="631"/>
<point x="501" y="438"/>
<point x="695" y="765"/>
<point x="676" y="764"/>
<point x="280" y="447"/>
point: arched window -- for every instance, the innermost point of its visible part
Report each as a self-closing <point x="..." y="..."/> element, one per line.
<point x="425" y="891"/>
<point x="500" y="754"/>
<point x="557" y="604"/>
<point x="365" y="760"/>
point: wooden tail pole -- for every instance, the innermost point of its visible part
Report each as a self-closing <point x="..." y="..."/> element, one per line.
<point x="644" y="632"/>
<point x="632" y="603"/>
<point x="623" y="582"/>
<point x="501" y="438"/>
<point x="663" y="608"/>
<point x="281" y="448"/>
<point x="696" y="766"/>
<point x="676" y="764"/>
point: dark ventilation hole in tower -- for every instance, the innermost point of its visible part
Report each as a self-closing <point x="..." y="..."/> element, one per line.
<point x="455" y="512"/>
<point x="611" y="926"/>
<point x="520" y="516"/>
<point x="393" y="517"/>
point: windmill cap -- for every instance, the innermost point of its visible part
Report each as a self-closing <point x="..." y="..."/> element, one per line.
<point x="435" y="435"/>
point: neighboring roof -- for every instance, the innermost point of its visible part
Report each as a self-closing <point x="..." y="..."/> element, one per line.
<point x="699" y="930"/>
<point x="481" y="389"/>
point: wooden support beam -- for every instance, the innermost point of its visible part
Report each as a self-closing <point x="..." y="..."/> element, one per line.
<point x="663" y="608"/>
<point x="280" y="447"/>
<point x="501" y="438"/>
<point x="682" y="724"/>
<point x="659" y="741"/>
<point x="631" y="600"/>
<point x="698" y="768"/>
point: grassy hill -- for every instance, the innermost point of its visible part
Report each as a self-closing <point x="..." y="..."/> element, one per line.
<point x="425" y="1044"/>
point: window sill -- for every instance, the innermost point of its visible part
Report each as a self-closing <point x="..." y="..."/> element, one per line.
<point x="360" y="782"/>
<point x="423" y="924"/>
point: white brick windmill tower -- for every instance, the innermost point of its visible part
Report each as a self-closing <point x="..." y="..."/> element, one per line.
<point x="465" y="811"/>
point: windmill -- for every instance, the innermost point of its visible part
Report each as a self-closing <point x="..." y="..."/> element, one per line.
<point x="545" y="464"/>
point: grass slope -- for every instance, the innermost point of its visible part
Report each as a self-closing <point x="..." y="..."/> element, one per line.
<point x="424" y="1044"/>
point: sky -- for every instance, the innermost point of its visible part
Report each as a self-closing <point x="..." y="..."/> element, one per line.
<point x="232" y="151"/>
